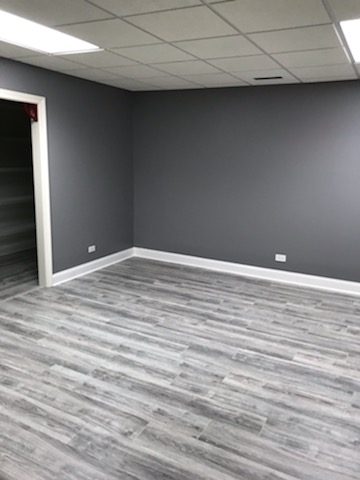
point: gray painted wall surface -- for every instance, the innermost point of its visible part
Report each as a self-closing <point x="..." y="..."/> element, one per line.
<point x="91" y="177"/>
<point x="239" y="174"/>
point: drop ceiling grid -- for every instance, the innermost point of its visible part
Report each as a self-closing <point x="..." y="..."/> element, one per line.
<point x="163" y="70"/>
<point x="210" y="4"/>
<point x="173" y="44"/>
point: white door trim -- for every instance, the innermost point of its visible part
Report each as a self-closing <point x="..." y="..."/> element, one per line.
<point x="41" y="183"/>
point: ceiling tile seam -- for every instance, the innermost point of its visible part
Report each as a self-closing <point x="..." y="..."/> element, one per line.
<point x="107" y="50"/>
<point x="146" y="81"/>
<point x="84" y="22"/>
<point x="78" y="64"/>
<point x="195" y="59"/>
<point x="143" y="80"/>
<point x="235" y="75"/>
<point x="173" y="75"/>
<point x="162" y="41"/>
<point x="210" y="59"/>
<point x="207" y="62"/>
<point x="108" y="69"/>
<point x="136" y="62"/>
<point x="112" y="16"/>
<point x="275" y="30"/>
<point x="303" y="51"/>
<point x="251" y="41"/>
<point x="162" y="74"/>
<point x="185" y="7"/>
<point x="340" y="34"/>
<point x="154" y="63"/>
<point x="175" y="46"/>
<point x="152" y="66"/>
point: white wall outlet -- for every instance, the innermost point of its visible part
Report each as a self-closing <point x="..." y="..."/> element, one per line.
<point x="280" y="257"/>
<point x="91" y="248"/>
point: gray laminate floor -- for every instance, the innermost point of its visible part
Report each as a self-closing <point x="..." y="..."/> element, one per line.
<point x="147" y="371"/>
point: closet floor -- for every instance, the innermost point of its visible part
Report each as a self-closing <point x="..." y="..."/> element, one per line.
<point x="18" y="274"/>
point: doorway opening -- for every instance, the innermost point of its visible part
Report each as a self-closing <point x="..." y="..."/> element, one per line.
<point x="25" y="222"/>
<point x="18" y="265"/>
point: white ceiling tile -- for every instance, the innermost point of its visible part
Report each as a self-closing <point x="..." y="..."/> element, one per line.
<point x="187" y="68"/>
<point x="51" y="62"/>
<point x="54" y="12"/>
<point x="324" y="72"/>
<point x="92" y="74"/>
<point x="12" y="51"/>
<point x="260" y="15"/>
<point x="126" y="83"/>
<point x="168" y="82"/>
<point x="310" y="58"/>
<point x="135" y="71"/>
<point x="215" y="80"/>
<point x="99" y="59"/>
<point x="154" y="53"/>
<point x="133" y="7"/>
<point x="345" y="9"/>
<point x="308" y="38"/>
<point x="110" y="33"/>
<point x="183" y="24"/>
<point x="220" y="47"/>
<point x="238" y="64"/>
<point x="263" y="77"/>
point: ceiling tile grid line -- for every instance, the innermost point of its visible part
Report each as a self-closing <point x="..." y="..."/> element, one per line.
<point x="173" y="43"/>
<point x="250" y="40"/>
<point x="202" y="46"/>
<point x="164" y="41"/>
<point x="179" y="48"/>
<point x="241" y="33"/>
<point x="174" y="9"/>
<point x="332" y="22"/>
<point x="119" y="15"/>
<point x="335" y="21"/>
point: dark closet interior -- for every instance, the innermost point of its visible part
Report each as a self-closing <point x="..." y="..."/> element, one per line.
<point x="18" y="270"/>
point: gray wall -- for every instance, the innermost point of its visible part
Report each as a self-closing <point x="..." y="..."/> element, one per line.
<point x="239" y="174"/>
<point x="91" y="177"/>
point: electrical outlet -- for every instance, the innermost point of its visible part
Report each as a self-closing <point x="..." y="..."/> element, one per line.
<point x="280" y="257"/>
<point x="91" y="248"/>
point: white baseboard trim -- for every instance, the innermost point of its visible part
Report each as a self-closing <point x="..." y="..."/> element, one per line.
<point x="85" y="268"/>
<point x="273" y="275"/>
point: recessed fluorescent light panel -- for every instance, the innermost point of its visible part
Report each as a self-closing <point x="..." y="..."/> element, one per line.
<point x="25" y="33"/>
<point x="351" y="29"/>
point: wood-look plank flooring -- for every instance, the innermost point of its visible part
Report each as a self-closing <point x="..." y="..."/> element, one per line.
<point x="149" y="371"/>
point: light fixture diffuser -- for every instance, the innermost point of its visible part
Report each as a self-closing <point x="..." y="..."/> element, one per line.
<point x="25" y="33"/>
<point x="351" y="29"/>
